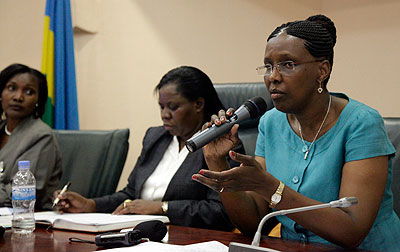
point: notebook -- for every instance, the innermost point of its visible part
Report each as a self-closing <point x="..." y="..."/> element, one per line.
<point x="93" y="222"/>
<point x="6" y="216"/>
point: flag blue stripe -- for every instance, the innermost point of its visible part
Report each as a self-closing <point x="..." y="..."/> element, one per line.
<point x="50" y="12"/>
<point x="65" y="101"/>
<point x="71" y="92"/>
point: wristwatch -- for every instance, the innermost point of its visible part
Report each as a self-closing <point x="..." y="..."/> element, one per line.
<point x="164" y="207"/>
<point x="277" y="196"/>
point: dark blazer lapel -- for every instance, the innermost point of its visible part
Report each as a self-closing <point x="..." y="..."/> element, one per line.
<point x="183" y="176"/>
<point x="154" y="146"/>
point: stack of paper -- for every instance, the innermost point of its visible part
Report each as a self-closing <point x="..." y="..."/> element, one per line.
<point x="88" y="222"/>
<point x="94" y="222"/>
<point x="211" y="246"/>
<point x="6" y="216"/>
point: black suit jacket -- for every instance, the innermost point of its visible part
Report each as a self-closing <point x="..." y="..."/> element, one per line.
<point x="189" y="202"/>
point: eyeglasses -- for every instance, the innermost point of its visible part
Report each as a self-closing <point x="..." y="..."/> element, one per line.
<point x="285" y="68"/>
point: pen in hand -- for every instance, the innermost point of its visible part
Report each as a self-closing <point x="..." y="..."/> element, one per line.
<point x="65" y="188"/>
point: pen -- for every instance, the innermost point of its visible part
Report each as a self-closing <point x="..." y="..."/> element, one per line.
<point x="65" y="188"/>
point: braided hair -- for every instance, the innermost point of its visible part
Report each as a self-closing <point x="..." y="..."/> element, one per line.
<point x="318" y="33"/>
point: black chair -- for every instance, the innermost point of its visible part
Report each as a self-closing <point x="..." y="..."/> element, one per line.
<point x="92" y="160"/>
<point x="393" y="129"/>
<point x="235" y="94"/>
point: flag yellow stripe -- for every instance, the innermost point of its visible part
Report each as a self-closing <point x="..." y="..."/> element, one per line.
<point x="48" y="56"/>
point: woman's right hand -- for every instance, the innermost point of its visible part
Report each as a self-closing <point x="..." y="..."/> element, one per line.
<point x="219" y="148"/>
<point x="73" y="202"/>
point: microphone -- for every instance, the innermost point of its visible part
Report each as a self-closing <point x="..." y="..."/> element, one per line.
<point x="154" y="230"/>
<point x="236" y="247"/>
<point x="119" y="239"/>
<point x="251" y="109"/>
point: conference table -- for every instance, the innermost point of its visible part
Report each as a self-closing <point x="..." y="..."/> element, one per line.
<point x="48" y="240"/>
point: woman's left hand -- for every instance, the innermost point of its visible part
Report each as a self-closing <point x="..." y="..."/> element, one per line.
<point x="139" y="206"/>
<point x="249" y="176"/>
<point x="219" y="148"/>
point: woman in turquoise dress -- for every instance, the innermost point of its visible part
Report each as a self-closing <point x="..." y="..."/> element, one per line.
<point x="313" y="147"/>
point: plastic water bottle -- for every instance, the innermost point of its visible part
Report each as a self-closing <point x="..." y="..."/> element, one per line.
<point x="23" y="199"/>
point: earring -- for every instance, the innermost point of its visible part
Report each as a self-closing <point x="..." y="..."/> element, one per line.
<point x="320" y="87"/>
<point x="3" y="116"/>
<point x="36" y="110"/>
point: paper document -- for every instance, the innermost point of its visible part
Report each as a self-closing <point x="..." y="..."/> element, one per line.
<point x="211" y="246"/>
<point x="6" y="211"/>
<point x="5" y="220"/>
<point x="94" y="222"/>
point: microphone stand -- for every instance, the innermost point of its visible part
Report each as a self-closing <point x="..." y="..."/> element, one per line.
<point x="236" y="247"/>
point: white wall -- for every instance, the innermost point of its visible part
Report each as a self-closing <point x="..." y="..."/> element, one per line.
<point x="136" y="41"/>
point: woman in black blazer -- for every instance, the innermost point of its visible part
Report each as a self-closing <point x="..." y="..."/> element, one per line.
<point x="161" y="181"/>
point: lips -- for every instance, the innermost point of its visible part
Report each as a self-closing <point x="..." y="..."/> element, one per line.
<point x="15" y="107"/>
<point x="276" y="94"/>
<point x="167" y="126"/>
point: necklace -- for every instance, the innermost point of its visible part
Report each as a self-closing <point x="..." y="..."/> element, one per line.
<point x="8" y="133"/>
<point x="306" y="148"/>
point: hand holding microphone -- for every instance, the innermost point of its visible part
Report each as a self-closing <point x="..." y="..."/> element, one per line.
<point x="251" y="109"/>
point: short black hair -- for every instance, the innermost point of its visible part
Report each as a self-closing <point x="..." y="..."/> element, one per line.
<point x="192" y="83"/>
<point x="14" y="69"/>
<point x="318" y="33"/>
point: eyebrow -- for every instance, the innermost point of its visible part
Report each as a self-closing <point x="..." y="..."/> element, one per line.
<point x="283" y="57"/>
<point x="29" y="84"/>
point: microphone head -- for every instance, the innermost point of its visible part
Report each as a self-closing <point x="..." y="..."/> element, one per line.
<point x="344" y="202"/>
<point x="256" y="107"/>
<point x="154" y="230"/>
<point x="351" y="200"/>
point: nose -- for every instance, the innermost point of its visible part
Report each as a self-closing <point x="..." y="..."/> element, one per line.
<point x="165" y="114"/>
<point x="275" y="76"/>
<point x="18" y="96"/>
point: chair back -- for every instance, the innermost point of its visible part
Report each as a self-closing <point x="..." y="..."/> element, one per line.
<point x="92" y="159"/>
<point x="233" y="95"/>
<point x="393" y="129"/>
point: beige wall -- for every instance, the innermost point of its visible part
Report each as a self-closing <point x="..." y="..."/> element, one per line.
<point x="132" y="43"/>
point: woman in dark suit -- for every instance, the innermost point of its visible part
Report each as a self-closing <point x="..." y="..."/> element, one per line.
<point x="160" y="182"/>
<point x="24" y="136"/>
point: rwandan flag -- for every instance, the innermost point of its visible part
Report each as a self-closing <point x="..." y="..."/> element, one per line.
<point x="58" y="64"/>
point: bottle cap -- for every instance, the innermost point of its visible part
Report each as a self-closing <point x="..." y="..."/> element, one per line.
<point x="24" y="164"/>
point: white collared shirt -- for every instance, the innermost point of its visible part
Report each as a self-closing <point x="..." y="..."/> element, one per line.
<point x="156" y="185"/>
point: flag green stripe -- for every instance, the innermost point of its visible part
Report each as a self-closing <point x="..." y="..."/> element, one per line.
<point x="48" y="115"/>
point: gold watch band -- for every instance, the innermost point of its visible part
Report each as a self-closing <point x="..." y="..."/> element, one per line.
<point x="277" y="196"/>
<point x="164" y="207"/>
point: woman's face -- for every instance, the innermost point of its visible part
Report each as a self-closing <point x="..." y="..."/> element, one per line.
<point x="292" y="92"/>
<point x="180" y="116"/>
<point x="19" y="96"/>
